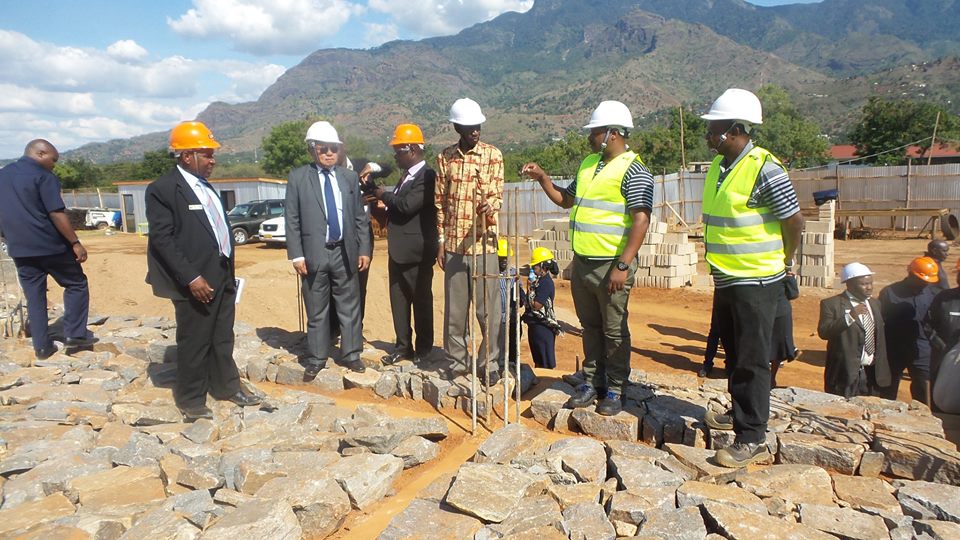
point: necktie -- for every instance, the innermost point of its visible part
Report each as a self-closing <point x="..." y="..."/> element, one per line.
<point x="403" y="176"/>
<point x="869" y="339"/>
<point x="219" y="227"/>
<point x="333" y="224"/>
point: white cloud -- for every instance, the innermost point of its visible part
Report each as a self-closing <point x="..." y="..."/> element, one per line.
<point x="265" y="27"/>
<point x="377" y="34"/>
<point x="126" y="50"/>
<point x="444" y="17"/>
<point x="15" y="98"/>
<point x="16" y="129"/>
<point x="248" y="80"/>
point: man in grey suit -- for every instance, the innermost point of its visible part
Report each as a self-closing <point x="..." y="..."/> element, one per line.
<point x="328" y="244"/>
<point x="412" y="244"/>
<point x="856" y="347"/>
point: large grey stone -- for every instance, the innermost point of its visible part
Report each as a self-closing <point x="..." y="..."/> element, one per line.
<point x="908" y="422"/>
<point x="531" y="513"/>
<point x="34" y="512"/>
<point x="927" y="500"/>
<point x="588" y="521"/>
<point x="488" y="491"/>
<point x="142" y="449"/>
<point x="202" y="431"/>
<point x="49" y="477"/>
<point x="197" y="506"/>
<point x="319" y="502"/>
<point x="624" y="425"/>
<point x="251" y="475"/>
<point x="739" y="524"/>
<point x="135" y="414"/>
<point x="585" y="458"/>
<point x="387" y="385"/>
<point x="230" y="462"/>
<point x="843" y="522"/>
<point x="700" y="460"/>
<point x="379" y="440"/>
<point x="936" y="530"/>
<point x="635" y="450"/>
<point x="415" y="451"/>
<point x="919" y="456"/>
<point x="634" y="473"/>
<point x="544" y="405"/>
<point x="865" y="493"/>
<point x="793" y="483"/>
<point x="367" y="477"/>
<point x="427" y="520"/>
<point x="692" y="494"/>
<point x="509" y="443"/>
<point x="676" y="524"/>
<point x="809" y="449"/>
<point x="634" y="505"/>
<point x="367" y="380"/>
<point x="258" y="519"/>
<point x="568" y="495"/>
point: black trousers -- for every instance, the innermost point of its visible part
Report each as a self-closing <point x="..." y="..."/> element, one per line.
<point x="411" y="286"/>
<point x="68" y="273"/>
<point x="745" y="316"/>
<point x="919" y="370"/>
<point x="205" y="347"/>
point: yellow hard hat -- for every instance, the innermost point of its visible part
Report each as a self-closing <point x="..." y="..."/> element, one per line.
<point x="503" y="248"/>
<point x="540" y="254"/>
<point x="192" y="136"/>
<point x="407" y="134"/>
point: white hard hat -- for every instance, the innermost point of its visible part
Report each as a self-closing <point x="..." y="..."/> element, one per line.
<point x="322" y="131"/>
<point x="466" y="112"/>
<point x="736" y="104"/>
<point x="610" y="114"/>
<point x="854" y="270"/>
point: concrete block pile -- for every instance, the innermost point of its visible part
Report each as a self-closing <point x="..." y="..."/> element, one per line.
<point x="816" y="249"/>
<point x="666" y="260"/>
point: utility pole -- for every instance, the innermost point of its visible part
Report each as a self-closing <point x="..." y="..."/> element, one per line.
<point x="933" y="139"/>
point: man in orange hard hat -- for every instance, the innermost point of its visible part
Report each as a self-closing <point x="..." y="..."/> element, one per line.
<point x="190" y="260"/>
<point x="411" y="245"/>
<point x="904" y="306"/>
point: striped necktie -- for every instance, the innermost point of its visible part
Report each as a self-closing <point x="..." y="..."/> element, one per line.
<point x="216" y="215"/>
<point x="869" y="330"/>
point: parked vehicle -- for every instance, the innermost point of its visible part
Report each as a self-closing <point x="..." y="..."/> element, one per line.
<point x="273" y="232"/>
<point x="245" y="218"/>
<point x="102" y="218"/>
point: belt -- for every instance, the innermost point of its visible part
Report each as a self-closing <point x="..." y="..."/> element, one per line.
<point x="334" y="245"/>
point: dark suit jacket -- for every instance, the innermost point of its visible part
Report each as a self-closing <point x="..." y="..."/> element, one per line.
<point x="845" y="344"/>
<point x="181" y="244"/>
<point x="306" y="222"/>
<point x="412" y="225"/>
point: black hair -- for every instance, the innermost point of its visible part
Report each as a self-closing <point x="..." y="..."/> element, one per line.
<point x="550" y="266"/>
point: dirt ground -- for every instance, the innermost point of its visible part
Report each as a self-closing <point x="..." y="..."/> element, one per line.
<point x="668" y="330"/>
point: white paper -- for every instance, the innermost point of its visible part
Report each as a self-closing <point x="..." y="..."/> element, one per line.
<point x="239" y="282"/>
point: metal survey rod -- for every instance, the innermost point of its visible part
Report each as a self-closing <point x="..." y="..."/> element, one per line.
<point x="486" y="327"/>
<point x="516" y="288"/>
<point x="473" y="321"/>
<point x="505" y="326"/>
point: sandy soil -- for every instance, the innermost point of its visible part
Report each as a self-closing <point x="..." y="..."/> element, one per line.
<point x="668" y="329"/>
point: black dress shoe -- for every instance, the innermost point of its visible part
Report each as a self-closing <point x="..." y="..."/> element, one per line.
<point x="76" y="342"/>
<point x="395" y="357"/>
<point x="356" y="366"/>
<point x="46" y="352"/>
<point x="244" y="399"/>
<point x="610" y="405"/>
<point x="312" y="369"/>
<point x="192" y="414"/>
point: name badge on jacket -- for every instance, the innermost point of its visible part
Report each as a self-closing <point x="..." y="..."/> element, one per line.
<point x="195" y="207"/>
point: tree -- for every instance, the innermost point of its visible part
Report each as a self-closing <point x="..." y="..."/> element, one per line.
<point x="284" y="148"/>
<point x="797" y="141"/>
<point x="155" y="164"/>
<point x="77" y="173"/>
<point x="659" y="147"/>
<point x="888" y="124"/>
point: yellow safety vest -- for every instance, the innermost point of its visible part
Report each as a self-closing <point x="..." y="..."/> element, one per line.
<point x="741" y="241"/>
<point x="599" y="221"/>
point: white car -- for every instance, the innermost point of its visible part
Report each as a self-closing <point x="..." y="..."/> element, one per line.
<point x="272" y="232"/>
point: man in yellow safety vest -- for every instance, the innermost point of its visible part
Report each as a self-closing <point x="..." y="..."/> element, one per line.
<point x="610" y="203"/>
<point x="752" y="226"/>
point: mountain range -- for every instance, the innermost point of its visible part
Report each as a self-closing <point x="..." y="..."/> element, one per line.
<point x="538" y="74"/>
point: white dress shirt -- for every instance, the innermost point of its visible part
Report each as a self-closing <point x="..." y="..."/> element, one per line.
<point x="865" y="359"/>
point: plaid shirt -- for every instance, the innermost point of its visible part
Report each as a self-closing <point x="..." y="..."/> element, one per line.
<point x="463" y="181"/>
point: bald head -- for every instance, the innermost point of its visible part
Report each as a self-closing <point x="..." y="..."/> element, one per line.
<point x="44" y="153"/>
<point x="938" y="250"/>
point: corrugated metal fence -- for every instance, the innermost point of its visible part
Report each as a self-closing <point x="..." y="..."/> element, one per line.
<point x="91" y="199"/>
<point x="680" y="195"/>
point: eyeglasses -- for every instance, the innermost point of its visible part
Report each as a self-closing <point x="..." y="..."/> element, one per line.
<point x="323" y="149"/>
<point x="404" y="149"/>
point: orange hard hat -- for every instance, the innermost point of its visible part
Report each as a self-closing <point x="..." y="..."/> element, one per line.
<point x="926" y="269"/>
<point x="407" y="134"/>
<point x="192" y="136"/>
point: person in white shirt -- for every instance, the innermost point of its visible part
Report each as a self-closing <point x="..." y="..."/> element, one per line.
<point x="852" y="325"/>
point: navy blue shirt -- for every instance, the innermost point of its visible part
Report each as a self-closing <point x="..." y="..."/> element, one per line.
<point x="28" y="193"/>
<point x="544" y="289"/>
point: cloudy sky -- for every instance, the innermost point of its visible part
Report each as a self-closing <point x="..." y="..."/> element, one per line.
<point x="75" y="72"/>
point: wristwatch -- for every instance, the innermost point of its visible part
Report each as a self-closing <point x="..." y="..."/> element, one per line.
<point x="622" y="266"/>
<point x="75" y="242"/>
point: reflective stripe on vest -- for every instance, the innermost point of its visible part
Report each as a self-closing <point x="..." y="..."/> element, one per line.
<point x="740" y="241"/>
<point x="599" y="220"/>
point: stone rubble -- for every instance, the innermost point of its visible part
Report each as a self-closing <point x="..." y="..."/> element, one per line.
<point x="92" y="445"/>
